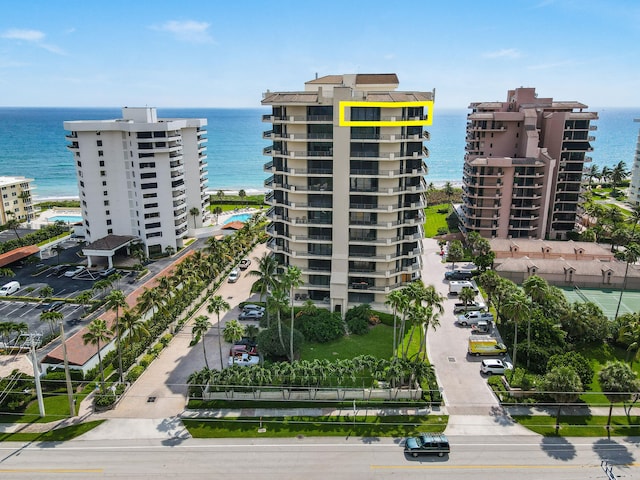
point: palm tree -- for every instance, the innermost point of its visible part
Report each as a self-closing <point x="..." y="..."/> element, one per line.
<point x="220" y="195"/>
<point x="619" y="383"/>
<point x="84" y="298"/>
<point x="455" y="253"/>
<point x="629" y="255"/>
<point x="605" y="174"/>
<point x="619" y="174"/>
<point x="51" y="318"/>
<point x="13" y="224"/>
<point x="467" y="295"/>
<point x="217" y="305"/>
<point x="217" y="210"/>
<point x="593" y="172"/>
<point x="149" y="300"/>
<point x="194" y="212"/>
<point x="267" y="277"/>
<point x="115" y="301"/>
<point x="233" y="331"/>
<point x="133" y="325"/>
<point x="201" y="326"/>
<point x="58" y="249"/>
<point x="398" y="301"/>
<point x="448" y="191"/>
<point x="291" y="278"/>
<point x="46" y="291"/>
<point x="242" y="194"/>
<point x="516" y="307"/>
<point x="97" y="333"/>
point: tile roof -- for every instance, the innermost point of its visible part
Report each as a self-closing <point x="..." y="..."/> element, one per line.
<point x="110" y="242"/>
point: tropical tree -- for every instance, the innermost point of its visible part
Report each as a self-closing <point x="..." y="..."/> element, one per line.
<point x="134" y="327"/>
<point x="220" y="195"/>
<point x="201" y="326"/>
<point x="58" y="249"/>
<point x="242" y="194"/>
<point x="217" y="305"/>
<point x="233" y="331"/>
<point x="46" y="291"/>
<point x="449" y="191"/>
<point x="455" y="253"/>
<point x="98" y="333"/>
<point x="84" y="298"/>
<point x="619" y="174"/>
<point x="6" y="272"/>
<point x="619" y="383"/>
<point x="564" y="386"/>
<point x="13" y="224"/>
<point x="399" y="302"/>
<point x="217" y="210"/>
<point x="169" y="250"/>
<point x="605" y="174"/>
<point x="630" y="255"/>
<point x="516" y="307"/>
<point x="467" y="295"/>
<point x="194" y="212"/>
<point x="290" y="279"/>
<point x="629" y="334"/>
<point x="115" y="301"/>
<point x="52" y="318"/>
<point x="266" y="278"/>
<point x="593" y="172"/>
<point x="585" y="323"/>
<point x="489" y="282"/>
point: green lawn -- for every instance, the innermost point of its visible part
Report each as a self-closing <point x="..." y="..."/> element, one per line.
<point x="59" y="435"/>
<point x="580" y="425"/>
<point x="377" y="343"/>
<point x="56" y="407"/>
<point x="335" y="426"/>
<point x="435" y="220"/>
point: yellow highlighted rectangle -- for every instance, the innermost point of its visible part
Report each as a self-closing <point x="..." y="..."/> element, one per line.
<point x="428" y="104"/>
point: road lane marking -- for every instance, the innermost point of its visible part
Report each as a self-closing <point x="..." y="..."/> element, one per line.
<point x="51" y="470"/>
<point x="493" y="467"/>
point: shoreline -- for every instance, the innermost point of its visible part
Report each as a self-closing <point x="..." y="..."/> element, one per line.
<point x="227" y="191"/>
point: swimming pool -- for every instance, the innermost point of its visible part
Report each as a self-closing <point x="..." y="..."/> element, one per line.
<point x="239" y="217"/>
<point x="66" y="218"/>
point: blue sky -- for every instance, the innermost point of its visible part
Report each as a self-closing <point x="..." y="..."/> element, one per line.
<point x="227" y="53"/>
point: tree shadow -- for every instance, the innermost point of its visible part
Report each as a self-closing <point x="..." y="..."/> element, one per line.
<point x="174" y="427"/>
<point x="558" y="448"/>
<point x="613" y="452"/>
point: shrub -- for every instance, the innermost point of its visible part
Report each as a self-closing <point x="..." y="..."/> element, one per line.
<point x="166" y="339"/>
<point x="442" y="231"/>
<point x="146" y="360"/>
<point x="576" y="361"/>
<point x="271" y="347"/>
<point x="135" y="373"/>
<point x="357" y="319"/>
<point x="321" y="326"/>
<point x="105" y="398"/>
<point x="156" y="349"/>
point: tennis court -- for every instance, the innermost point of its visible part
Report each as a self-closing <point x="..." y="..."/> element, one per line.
<point x="606" y="299"/>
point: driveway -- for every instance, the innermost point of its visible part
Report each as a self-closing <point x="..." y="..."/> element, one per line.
<point x="161" y="390"/>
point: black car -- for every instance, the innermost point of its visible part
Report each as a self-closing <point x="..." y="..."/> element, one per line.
<point x="458" y="275"/>
<point x="426" y="444"/>
<point x="53" y="306"/>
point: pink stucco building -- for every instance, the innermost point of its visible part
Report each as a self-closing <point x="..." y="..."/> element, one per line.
<point x="523" y="166"/>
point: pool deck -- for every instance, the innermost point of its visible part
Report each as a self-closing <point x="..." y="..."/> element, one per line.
<point x="44" y="218"/>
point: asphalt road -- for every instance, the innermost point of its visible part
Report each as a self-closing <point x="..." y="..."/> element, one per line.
<point x="524" y="458"/>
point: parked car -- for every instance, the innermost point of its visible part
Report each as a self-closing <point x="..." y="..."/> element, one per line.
<point x="251" y="315"/>
<point x="458" y="275"/>
<point x="456" y="286"/>
<point x="244" y="359"/>
<point x="460" y="307"/>
<point x="244" y="263"/>
<point x="53" y="306"/>
<point x="491" y="366"/>
<point x="58" y="269"/>
<point x="233" y="276"/>
<point x="481" y="327"/>
<point x="9" y="288"/>
<point x="486" y="345"/>
<point x="106" y="272"/>
<point x="74" y="272"/>
<point x="471" y="318"/>
<point x="427" y="443"/>
<point x="251" y="306"/>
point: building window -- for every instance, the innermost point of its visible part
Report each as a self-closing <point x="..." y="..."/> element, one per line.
<point x="151" y="215"/>
<point x="146" y="186"/>
<point x="148" y="175"/>
<point x="79" y="163"/>
<point x="82" y="183"/>
<point x="155" y="234"/>
<point x="106" y="203"/>
<point x="103" y="173"/>
<point x="150" y="205"/>
<point x="104" y="183"/>
<point x="105" y="193"/>
<point x="107" y="212"/>
<point x="149" y="195"/>
<point x="100" y="153"/>
<point x="109" y="221"/>
<point x="99" y="143"/>
<point x="77" y="154"/>
<point x="110" y="231"/>
<point x="152" y="225"/>
<point x="101" y="163"/>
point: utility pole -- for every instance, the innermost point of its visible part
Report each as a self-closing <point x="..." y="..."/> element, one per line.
<point x="36" y="374"/>
<point x="67" y="375"/>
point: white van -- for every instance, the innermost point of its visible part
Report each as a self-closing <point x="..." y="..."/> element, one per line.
<point x="456" y="286"/>
<point x="9" y="289"/>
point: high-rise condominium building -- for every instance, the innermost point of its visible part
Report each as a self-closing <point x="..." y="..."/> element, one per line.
<point x="523" y="166"/>
<point x="348" y="186"/>
<point x="16" y="199"/>
<point x="634" y="188"/>
<point x="141" y="175"/>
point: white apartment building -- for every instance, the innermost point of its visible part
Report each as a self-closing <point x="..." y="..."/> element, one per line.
<point x="348" y="186"/>
<point x="634" y="187"/>
<point x="16" y="199"/>
<point x="141" y="175"/>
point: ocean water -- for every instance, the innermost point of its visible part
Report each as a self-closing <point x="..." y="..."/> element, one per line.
<point x="33" y="144"/>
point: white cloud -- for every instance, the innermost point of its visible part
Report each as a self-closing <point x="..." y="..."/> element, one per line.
<point x="34" y="37"/>
<point x="188" y="30"/>
<point x="28" y="35"/>
<point x="503" y="53"/>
